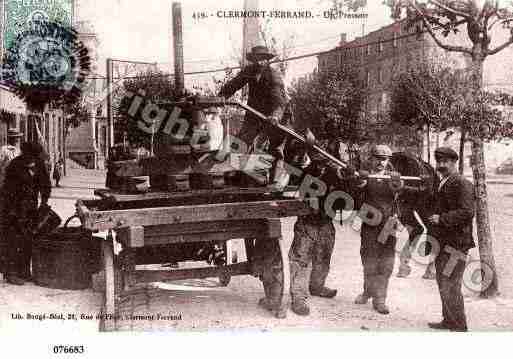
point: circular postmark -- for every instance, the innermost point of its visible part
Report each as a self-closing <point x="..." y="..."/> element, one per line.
<point x="47" y="56"/>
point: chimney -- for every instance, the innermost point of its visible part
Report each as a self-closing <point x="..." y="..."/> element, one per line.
<point x="343" y="38"/>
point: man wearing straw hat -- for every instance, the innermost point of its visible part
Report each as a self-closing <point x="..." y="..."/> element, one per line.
<point x="9" y="151"/>
<point x="266" y="95"/>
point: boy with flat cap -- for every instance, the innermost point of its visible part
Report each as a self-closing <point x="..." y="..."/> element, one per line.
<point x="378" y="240"/>
<point x="451" y="226"/>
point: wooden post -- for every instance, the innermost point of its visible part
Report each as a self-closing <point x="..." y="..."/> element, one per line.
<point x="250" y="29"/>
<point x="110" y="115"/>
<point x="110" y="287"/>
<point x="178" y="46"/>
<point x="250" y="36"/>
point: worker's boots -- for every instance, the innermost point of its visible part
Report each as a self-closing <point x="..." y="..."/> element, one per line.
<point x="378" y="301"/>
<point x="300" y="306"/>
<point x="266" y="302"/>
<point x="272" y="300"/>
<point x="379" y="305"/>
<point x="323" y="292"/>
<point x="14" y="279"/>
<point x="278" y="311"/>
<point x="364" y="297"/>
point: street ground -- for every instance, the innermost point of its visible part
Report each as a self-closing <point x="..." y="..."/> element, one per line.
<point x="202" y="305"/>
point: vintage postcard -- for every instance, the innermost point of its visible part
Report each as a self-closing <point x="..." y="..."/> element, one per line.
<point x="240" y="166"/>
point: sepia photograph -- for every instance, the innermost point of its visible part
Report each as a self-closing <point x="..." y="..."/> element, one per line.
<point x="255" y="166"/>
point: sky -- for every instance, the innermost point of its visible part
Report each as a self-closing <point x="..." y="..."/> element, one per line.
<point x="142" y="31"/>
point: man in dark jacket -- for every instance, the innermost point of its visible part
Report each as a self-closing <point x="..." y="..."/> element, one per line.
<point x="451" y="226"/>
<point x="26" y="179"/>
<point x="266" y="95"/>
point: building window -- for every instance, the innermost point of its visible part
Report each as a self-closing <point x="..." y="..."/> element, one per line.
<point x="53" y="134"/>
<point x="59" y="135"/>
<point x="23" y="126"/>
<point x="380" y="75"/>
<point x="47" y="131"/>
<point x="394" y="43"/>
<point x="380" y="46"/>
<point x="11" y="121"/>
<point x="419" y="29"/>
<point x="368" y="49"/>
<point x="384" y="101"/>
<point x="367" y="78"/>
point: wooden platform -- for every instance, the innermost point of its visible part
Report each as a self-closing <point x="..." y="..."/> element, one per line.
<point x="173" y="219"/>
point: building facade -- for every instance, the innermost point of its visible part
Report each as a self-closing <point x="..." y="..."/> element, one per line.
<point x="13" y="113"/>
<point x="383" y="54"/>
<point x="84" y="143"/>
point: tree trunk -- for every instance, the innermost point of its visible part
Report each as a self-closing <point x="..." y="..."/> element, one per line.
<point x="420" y="141"/>
<point x="490" y="286"/>
<point x="462" y="151"/>
<point x="429" y="144"/>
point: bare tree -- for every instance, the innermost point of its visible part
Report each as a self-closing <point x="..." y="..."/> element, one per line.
<point x="480" y="19"/>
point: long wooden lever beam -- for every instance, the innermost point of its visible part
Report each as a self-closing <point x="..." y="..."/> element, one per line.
<point x="204" y="102"/>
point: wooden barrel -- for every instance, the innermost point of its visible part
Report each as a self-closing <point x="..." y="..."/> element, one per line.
<point x="409" y="165"/>
<point x="422" y="203"/>
<point x="65" y="258"/>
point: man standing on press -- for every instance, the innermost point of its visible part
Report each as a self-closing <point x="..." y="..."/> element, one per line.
<point x="266" y="95"/>
<point x="451" y="226"/>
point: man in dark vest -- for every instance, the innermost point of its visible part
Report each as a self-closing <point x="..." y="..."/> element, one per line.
<point x="451" y="226"/>
<point x="26" y="182"/>
<point x="314" y="234"/>
<point x="266" y="95"/>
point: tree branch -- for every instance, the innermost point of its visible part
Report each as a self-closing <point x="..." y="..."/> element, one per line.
<point x="449" y="9"/>
<point x="501" y="47"/>
<point x="446" y="47"/>
<point x="433" y="35"/>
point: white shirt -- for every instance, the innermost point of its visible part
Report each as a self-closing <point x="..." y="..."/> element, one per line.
<point x="7" y="154"/>
<point x="443" y="181"/>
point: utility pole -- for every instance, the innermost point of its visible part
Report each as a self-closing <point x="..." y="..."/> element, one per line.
<point x="250" y="29"/>
<point x="178" y="47"/>
<point x="250" y="35"/>
<point x="110" y="116"/>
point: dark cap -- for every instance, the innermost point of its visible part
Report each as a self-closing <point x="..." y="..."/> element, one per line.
<point x="31" y="149"/>
<point x="446" y="152"/>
